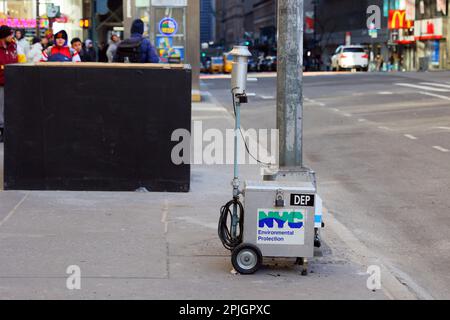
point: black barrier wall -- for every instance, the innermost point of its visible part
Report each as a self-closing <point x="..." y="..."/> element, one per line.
<point x="95" y="127"/>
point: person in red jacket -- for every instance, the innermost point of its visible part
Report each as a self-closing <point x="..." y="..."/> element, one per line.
<point x="60" y="51"/>
<point x="8" y="55"/>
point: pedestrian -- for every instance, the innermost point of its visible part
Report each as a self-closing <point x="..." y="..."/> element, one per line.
<point x="77" y="45"/>
<point x="23" y="46"/>
<point x="60" y="52"/>
<point x="8" y="55"/>
<point x="44" y="43"/>
<point x="88" y="53"/>
<point x="102" y="48"/>
<point x="391" y="62"/>
<point x="136" y="49"/>
<point x="112" y="49"/>
<point x="35" y="53"/>
<point x="380" y="61"/>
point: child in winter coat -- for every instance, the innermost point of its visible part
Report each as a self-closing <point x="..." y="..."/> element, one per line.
<point x="60" y="51"/>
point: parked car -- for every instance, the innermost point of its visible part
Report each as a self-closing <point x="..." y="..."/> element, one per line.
<point x="269" y="63"/>
<point x="252" y="65"/>
<point x="203" y="68"/>
<point x="350" y="57"/>
<point x="216" y="65"/>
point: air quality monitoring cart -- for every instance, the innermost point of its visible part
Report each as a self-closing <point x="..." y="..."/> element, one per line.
<point x="279" y="219"/>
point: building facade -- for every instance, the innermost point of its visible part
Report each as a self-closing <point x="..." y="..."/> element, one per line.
<point x="231" y="21"/>
<point x="207" y="21"/>
<point x="265" y="20"/>
<point x="413" y="35"/>
<point x="23" y="15"/>
<point x="340" y="22"/>
<point x="248" y="21"/>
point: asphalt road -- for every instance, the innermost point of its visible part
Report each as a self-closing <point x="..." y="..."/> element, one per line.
<point x="380" y="144"/>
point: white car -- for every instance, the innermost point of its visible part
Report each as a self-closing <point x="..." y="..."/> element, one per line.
<point x="350" y="57"/>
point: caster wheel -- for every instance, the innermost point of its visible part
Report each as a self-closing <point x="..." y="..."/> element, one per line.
<point x="246" y="258"/>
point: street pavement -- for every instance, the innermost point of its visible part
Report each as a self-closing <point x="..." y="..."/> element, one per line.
<point x="385" y="193"/>
<point x="162" y="245"/>
<point x="380" y="144"/>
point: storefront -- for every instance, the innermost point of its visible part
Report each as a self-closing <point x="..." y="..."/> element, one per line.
<point x="174" y="27"/>
<point x="431" y="43"/>
<point x="22" y="14"/>
<point x="406" y="51"/>
<point x="71" y="13"/>
<point x="166" y="26"/>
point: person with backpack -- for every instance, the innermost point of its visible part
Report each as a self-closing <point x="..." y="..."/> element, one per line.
<point x="8" y="55"/>
<point x="60" y="52"/>
<point x="136" y="49"/>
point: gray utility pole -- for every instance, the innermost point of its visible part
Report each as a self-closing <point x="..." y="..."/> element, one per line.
<point x="290" y="82"/>
<point x="38" y="20"/>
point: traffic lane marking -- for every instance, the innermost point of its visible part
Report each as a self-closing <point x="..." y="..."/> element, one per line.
<point x="411" y="137"/>
<point x="435" y="95"/>
<point x="439" y="148"/>
<point x="267" y="97"/>
<point x="436" y="84"/>
<point x="442" y="128"/>
<point x="415" y="86"/>
<point x="314" y="102"/>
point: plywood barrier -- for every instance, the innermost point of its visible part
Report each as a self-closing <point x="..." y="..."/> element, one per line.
<point x="95" y="127"/>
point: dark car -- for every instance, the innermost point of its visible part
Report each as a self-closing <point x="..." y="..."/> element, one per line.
<point x="268" y="64"/>
<point x="252" y="65"/>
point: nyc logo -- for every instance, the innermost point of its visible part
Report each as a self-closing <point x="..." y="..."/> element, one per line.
<point x="276" y="219"/>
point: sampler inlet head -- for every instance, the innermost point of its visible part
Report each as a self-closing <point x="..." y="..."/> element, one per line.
<point x="240" y="51"/>
<point x="240" y="65"/>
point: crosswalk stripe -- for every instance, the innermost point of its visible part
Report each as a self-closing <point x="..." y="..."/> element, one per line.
<point x="442" y="128"/>
<point x="441" y="149"/>
<point x="410" y="136"/>
<point x="435" y="95"/>
<point x="267" y="97"/>
<point x="415" y="86"/>
<point x="436" y="84"/>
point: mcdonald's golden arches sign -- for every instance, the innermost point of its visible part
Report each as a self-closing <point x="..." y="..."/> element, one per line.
<point x="397" y="20"/>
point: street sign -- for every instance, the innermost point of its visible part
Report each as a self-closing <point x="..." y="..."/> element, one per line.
<point x="348" y="38"/>
<point x="373" y="32"/>
<point x="168" y="26"/>
<point x="53" y="11"/>
<point x="394" y="36"/>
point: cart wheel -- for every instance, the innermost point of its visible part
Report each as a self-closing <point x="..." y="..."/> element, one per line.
<point x="246" y="258"/>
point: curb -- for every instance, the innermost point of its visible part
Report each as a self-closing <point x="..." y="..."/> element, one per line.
<point x="394" y="285"/>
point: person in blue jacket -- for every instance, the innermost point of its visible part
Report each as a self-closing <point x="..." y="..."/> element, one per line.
<point x="148" y="51"/>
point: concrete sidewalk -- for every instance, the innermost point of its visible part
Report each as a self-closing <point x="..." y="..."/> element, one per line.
<point x="157" y="245"/>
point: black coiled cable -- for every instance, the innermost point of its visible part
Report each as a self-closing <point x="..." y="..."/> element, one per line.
<point x="226" y="213"/>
